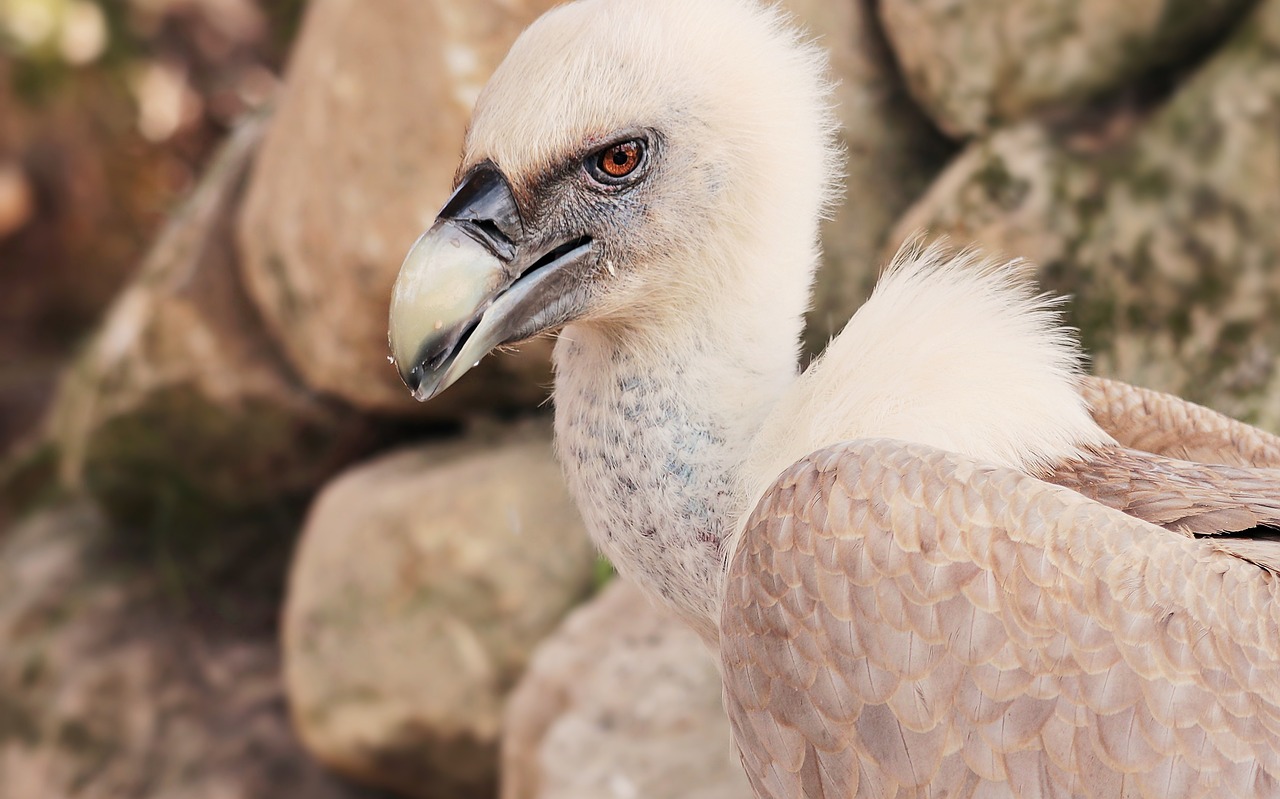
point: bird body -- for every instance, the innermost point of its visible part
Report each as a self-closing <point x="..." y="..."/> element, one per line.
<point x="927" y="568"/>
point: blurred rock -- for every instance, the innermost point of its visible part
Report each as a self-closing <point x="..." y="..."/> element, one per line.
<point x="976" y="65"/>
<point x="106" y="693"/>
<point x="17" y="199"/>
<point x="892" y="153"/>
<point x="180" y="406"/>
<point x="70" y="228"/>
<point x="357" y="163"/>
<point x="1167" y="239"/>
<point x="623" y="701"/>
<point x="96" y="190"/>
<point x="422" y="583"/>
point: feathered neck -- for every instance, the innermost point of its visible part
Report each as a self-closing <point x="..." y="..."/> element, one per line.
<point x="669" y="433"/>
<point x="652" y="427"/>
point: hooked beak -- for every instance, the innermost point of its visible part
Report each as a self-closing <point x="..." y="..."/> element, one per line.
<point x="474" y="282"/>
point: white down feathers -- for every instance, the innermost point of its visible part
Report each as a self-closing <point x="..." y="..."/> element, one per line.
<point x="955" y="351"/>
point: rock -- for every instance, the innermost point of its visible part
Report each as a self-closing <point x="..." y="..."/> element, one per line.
<point x="892" y="153"/>
<point x="976" y="65"/>
<point x="107" y="693"/>
<point x="71" y="216"/>
<point x="96" y="190"/>
<point x="17" y="199"/>
<point x="423" y="581"/>
<point x="1167" y="238"/>
<point x="623" y="701"/>
<point x="180" y="405"/>
<point x="333" y="208"/>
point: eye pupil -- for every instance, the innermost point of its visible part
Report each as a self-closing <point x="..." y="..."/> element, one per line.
<point x="619" y="160"/>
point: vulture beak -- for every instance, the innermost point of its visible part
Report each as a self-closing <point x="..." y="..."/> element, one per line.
<point x="475" y="281"/>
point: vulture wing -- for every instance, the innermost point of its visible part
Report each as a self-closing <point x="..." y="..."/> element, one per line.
<point x="903" y="621"/>
<point x="1148" y="420"/>
<point x="1189" y="498"/>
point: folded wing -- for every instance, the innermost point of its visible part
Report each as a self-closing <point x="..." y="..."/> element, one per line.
<point x="900" y="621"/>
<point x="1147" y="420"/>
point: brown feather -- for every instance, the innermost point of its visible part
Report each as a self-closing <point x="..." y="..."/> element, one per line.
<point x="1189" y="498"/>
<point x="1163" y="424"/>
<point x="994" y="635"/>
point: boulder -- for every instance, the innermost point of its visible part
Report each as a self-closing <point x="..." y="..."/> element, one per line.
<point x="891" y="151"/>
<point x="74" y="204"/>
<point x="421" y="585"/>
<point x="83" y="191"/>
<point x="974" y="66"/>
<point x="358" y="161"/>
<point x="1165" y="235"/>
<point x="180" y="405"/>
<point x="623" y="701"/>
<point x="17" y="198"/>
<point x="108" y="691"/>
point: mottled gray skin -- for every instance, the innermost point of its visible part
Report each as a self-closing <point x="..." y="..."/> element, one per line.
<point x="652" y="464"/>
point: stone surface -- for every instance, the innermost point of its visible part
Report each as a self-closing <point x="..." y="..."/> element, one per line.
<point x="423" y="581"/>
<point x="17" y="198"/>
<point x="180" y="404"/>
<point x="974" y="65"/>
<point x="1164" y="234"/>
<point x="891" y="149"/>
<point x="74" y="203"/>
<point x="107" y="692"/>
<point x="622" y="702"/>
<point x="333" y="208"/>
<point x="85" y="188"/>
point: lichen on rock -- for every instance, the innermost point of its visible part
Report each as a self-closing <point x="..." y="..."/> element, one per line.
<point x="180" y="408"/>
<point x="976" y="66"/>
<point x="1164" y="236"/>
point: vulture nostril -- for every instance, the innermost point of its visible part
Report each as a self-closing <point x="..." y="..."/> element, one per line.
<point x="491" y="228"/>
<point x="488" y="233"/>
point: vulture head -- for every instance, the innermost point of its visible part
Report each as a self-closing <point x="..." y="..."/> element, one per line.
<point x="616" y="145"/>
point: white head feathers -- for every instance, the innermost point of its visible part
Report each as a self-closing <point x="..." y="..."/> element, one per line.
<point x="743" y="107"/>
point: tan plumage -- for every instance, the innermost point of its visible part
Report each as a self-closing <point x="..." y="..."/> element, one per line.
<point x="901" y="621"/>
<point x="1183" y="496"/>
<point x="1166" y="425"/>
<point x="980" y="574"/>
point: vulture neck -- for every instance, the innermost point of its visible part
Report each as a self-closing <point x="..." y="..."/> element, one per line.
<point x="654" y="420"/>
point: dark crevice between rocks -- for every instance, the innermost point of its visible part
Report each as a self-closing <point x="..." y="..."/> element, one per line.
<point x="420" y="770"/>
<point x="28" y="480"/>
<point x="933" y="146"/>
<point x="1107" y="121"/>
<point x="920" y="151"/>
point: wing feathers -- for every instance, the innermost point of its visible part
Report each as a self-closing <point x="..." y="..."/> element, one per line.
<point x="1189" y="498"/>
<point x="948" y="626"/>
<point x="1163" y="424"/>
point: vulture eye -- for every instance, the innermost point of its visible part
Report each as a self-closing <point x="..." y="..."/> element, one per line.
<point x="617" y="162"/>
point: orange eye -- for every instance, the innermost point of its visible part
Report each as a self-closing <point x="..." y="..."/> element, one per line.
<point x="617" y="161"/>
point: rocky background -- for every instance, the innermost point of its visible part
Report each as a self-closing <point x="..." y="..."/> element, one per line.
<point x="237" y="561"/>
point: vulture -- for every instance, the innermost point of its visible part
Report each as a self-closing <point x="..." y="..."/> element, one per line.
<point x="939" y="561"/>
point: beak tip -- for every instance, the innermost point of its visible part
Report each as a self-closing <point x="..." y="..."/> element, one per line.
<point x="413" y="379"/>
<point x="421" y="385"/>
